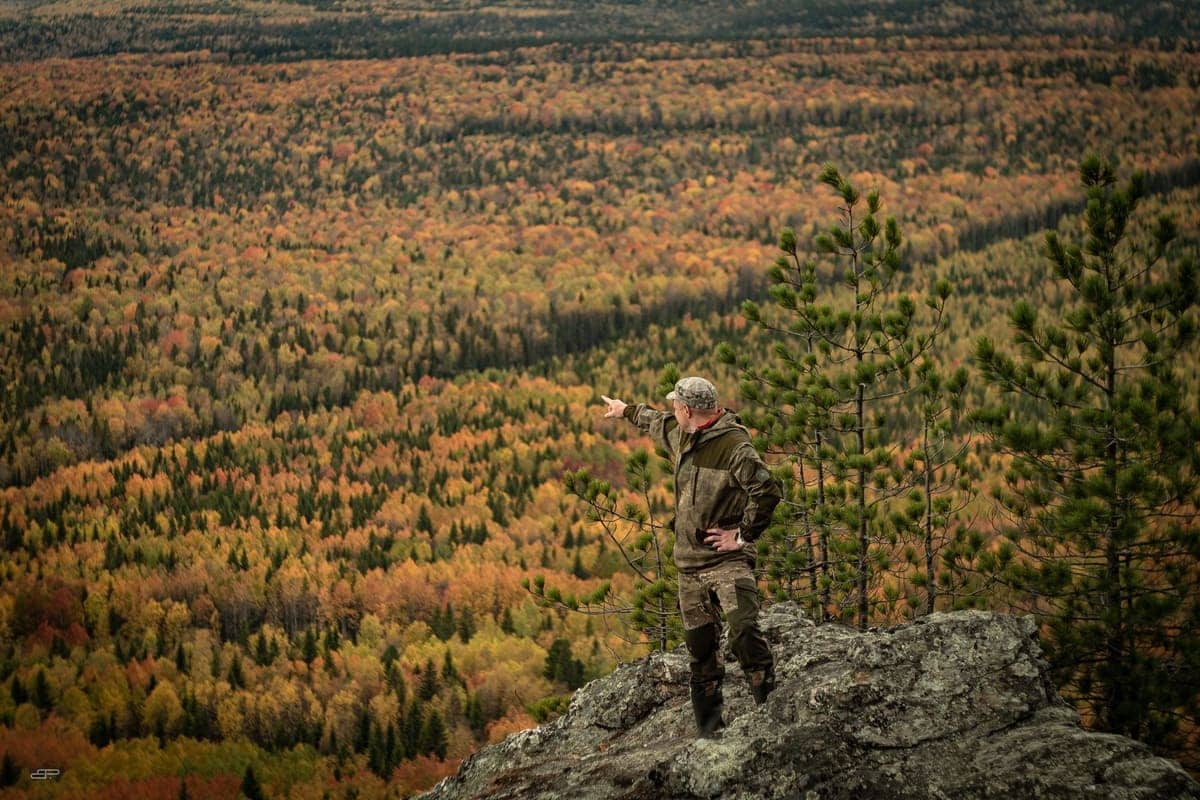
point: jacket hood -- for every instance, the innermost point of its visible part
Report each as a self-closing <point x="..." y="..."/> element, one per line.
<point x="727" y="420"/>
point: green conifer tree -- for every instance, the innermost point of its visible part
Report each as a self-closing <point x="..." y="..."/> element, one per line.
<point x="562" y="666"/>
<point x="17" y="690"/>
<point x="237" y="677"/>
<point x="251" y="788"/>
<point x="845" y="345"/>
<point x="466" y="625"/>
<point x="433" y="736"/>
<point x="645" y="543"/>
<point x="309" y="650"/>
<point x="945" y="486"/>
<point x="428" y="688"/>
<point x="10" y="773"/>
<point x="41" y="696"/>
<point x="1100" y="424"/>
<point x="413" y="722"/>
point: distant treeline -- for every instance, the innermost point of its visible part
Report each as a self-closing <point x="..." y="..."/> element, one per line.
<point x="349" y="30"/>
<point x="979" y="235"/>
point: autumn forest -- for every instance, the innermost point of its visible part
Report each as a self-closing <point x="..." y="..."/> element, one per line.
<point x="306" y="310"/>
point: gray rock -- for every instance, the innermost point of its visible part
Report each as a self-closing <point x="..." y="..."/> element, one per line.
<point x="950" y="706"/>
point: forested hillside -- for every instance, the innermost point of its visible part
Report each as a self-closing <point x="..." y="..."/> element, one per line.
<point x="301" y="29"/>
<point x="305" y="311"/>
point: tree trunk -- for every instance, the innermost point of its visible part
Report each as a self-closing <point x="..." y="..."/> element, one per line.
<point x="860" y="435"/>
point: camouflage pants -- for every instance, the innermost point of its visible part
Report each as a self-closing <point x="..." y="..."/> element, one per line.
<point x="728" y="587"/>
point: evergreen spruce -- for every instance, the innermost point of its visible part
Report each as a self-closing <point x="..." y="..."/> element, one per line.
<point x="251" y="788"/>
<point x="394" y="748"/>
<point x="41" y="695"/>
<point x="237" y="678"/>
<point x="449" y="671"/>
<point x="428" y="688"/>
<point x="10" y="773"/>
<point x="413" y="722"/>
<point x="309" y="648"/>
<point x="466" y="625"/>
<point x="17" y="690"/>
<point x="362" y="735"/>
<point x="433" y="736"/>
<point x="476" y="719"/>
<point x="561" y="666"/>
<point x="262" y="651"/>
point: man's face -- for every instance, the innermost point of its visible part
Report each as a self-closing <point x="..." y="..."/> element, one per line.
<point x="683" y="415"/>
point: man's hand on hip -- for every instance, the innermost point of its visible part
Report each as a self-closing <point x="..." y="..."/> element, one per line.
<point x="616" y="408"/>
<point x="723" y="540"/>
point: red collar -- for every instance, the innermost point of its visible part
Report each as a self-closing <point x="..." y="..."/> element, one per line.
<point x="710" y="423"/>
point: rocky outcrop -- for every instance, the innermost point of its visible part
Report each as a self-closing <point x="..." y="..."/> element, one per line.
<point x="951" y="706"/>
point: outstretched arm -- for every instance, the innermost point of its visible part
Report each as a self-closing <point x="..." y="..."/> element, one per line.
<point x="656" y="423"/>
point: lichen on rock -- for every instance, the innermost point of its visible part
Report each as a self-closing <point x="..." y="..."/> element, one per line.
<point x="954" y="705"/>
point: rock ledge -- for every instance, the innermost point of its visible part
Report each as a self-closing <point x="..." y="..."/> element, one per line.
<point x="954" y="705"/>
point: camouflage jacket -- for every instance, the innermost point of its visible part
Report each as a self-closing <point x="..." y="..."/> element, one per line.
<point x="720" y="482"/>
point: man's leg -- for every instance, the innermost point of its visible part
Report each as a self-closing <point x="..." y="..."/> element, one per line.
<point x="737" y="592"/>
<point x="702" y="634"/>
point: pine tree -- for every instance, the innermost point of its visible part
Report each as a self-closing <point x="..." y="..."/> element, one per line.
<point x="413" y="722"/>
<point x="17" y="690"/>
<point x="476" y="719"/>
<point x="424" y="520"/>
<point x="945" y="486"/>
<point x="394" y="748"/>
<point x="395" y="680"/>
<point x="10" y="773"/>
<point x="100" y="733"/>
<point x="645" y="543"/>
<point x="433" y="736"/>
<point x="449" y="671"/>
<point x="1102" y="490"/>
<point x="237" y="678"/>
<point x="250" y="785"/>
<point x="845" y="345"/>
<point x="466" y="625"/>
<point x="362" y="736"/>
<point x="262" y="652"/>
<point x="41" y="696"/>
<point x="429" y="682"/>
<point x="562" y="666"/>
<point x="443" y="622"/>
<point x="377" y="756"/>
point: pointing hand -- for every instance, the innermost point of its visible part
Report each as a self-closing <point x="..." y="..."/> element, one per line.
<point x="616" y="408"/>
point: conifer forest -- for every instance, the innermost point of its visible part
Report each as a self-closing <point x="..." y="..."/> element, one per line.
<point x="307" y="306"/>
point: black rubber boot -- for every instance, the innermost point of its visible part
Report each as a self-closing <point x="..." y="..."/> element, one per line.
<point x="707" y="703"/>
<point x="762" y="683"/>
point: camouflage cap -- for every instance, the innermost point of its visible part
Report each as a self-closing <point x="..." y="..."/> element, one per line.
<point x="695" y="393"/>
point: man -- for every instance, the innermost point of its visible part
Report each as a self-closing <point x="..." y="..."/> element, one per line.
<point x="724" y="497"/>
